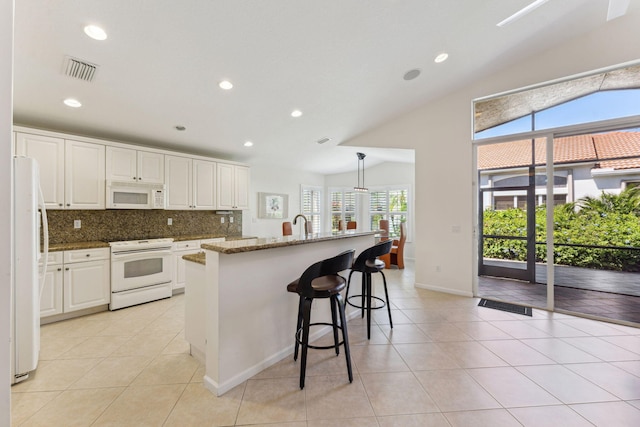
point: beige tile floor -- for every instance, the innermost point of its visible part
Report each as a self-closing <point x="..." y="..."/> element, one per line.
<point x="446" y="362"/>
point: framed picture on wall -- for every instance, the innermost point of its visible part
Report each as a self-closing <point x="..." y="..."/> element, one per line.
<point x="273" y="205"/>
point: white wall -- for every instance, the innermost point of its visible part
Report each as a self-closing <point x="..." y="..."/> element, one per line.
<point x="275" y="180"/>
<point x="6" y="172"/>
<point x="440" y="132"/>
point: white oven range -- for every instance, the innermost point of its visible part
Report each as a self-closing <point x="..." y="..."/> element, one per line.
<point x="140" y="271"/>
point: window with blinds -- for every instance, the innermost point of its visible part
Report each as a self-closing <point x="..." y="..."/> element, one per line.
<point x="312" y="206"/>
<point x="343" y="206"/>
<point x="388" y="204"/>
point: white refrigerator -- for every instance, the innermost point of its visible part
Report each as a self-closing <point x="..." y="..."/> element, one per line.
<point x="29" y="215"/>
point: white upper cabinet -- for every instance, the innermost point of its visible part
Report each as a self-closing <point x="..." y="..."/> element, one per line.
<point x="204" y="185"/>
<point x="232" y="186"/>
<point x="71" y="172"/>
<point x="190" y="183"/>
<point x="151" y="167"/>
<point x="84" y="175"/>
<point x="241" y="187"/>
<point x="178" y="176"/>
<point x="49" y="153"/>
<point x="124" y="164"/>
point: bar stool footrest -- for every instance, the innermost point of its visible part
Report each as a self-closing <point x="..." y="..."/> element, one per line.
<point x="384" y="304"/>
<point x="317" y="347"/>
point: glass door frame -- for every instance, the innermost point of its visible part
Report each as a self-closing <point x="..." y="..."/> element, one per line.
<point x="549" y="134"/>
<point x="529" y="273"/>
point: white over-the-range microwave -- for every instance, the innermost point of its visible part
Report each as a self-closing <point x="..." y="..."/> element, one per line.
<point x="134" y="195"/>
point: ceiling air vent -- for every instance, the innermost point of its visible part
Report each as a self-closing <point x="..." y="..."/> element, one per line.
<point x="79" y="69"/>
<point x="323" y="140"/>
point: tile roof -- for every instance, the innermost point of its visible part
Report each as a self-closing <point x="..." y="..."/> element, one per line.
<point x="615" y="146"/>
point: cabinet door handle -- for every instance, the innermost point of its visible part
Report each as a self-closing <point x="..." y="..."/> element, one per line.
<point x="59" y="269"/>
<point x="66" y="268"/>
<point x="59" y="204"/>
<point x="68" y="204"/>
<point x="88" y="255"/>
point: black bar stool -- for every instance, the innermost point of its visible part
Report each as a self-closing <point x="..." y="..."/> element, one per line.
<point x="367" y="263"/>
<point x="321" y="280"/>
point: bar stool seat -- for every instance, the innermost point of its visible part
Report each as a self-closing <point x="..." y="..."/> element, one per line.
<point x="323" y="287"/>
<point x="368" y="263"/>
<point x="321" y="280"/>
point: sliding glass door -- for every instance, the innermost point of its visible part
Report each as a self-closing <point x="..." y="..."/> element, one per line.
<point x="510" y="195"/>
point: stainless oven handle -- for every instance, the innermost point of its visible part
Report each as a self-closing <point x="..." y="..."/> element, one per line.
<point x="140" y="254"/>
<point x="165" y="250"/>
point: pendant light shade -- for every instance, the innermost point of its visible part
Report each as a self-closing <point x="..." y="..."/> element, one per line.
<point x="360" y="188"/>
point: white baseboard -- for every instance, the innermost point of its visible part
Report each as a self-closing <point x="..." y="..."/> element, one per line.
<point x="444" y="290"/>
<point x="220" y="389"/>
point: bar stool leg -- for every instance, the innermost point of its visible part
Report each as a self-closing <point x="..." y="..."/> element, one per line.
<point x="363" y="293"/>
<point x="305" y="338"/>
<point x="368" y="293"/>
<point x="346" y="294"/>
<point x="345" y="334"/>
<point x="334" y="322"/>
<point x="298" y="326"/>
<point x="386" y="294"/>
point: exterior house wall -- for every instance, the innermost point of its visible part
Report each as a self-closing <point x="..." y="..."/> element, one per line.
<point x="584" y="183"/>
<point x="613" y="183"/>
<point x="441" y="134"/>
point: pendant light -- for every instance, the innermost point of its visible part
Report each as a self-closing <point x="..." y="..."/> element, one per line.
<point x="360" y="188"/>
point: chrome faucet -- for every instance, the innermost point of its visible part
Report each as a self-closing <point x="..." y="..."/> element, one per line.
<point x="306" y="226"/>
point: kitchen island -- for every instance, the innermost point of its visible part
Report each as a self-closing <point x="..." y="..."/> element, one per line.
<point x="239" y="317"/>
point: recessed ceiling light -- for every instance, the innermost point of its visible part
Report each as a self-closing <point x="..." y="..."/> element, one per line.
<point x="296" y="113"/>
<point x="441" y="57"/>
<point x="180" y="128"/>
<point x="95" y="32"/>
<point x="225" y="84"/>
<point x="411" y="74"/>
<point x="248" y="144"/>
<point x="74" y="103"/>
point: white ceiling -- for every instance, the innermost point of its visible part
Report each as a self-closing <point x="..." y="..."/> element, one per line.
<point x="339" y="61"/>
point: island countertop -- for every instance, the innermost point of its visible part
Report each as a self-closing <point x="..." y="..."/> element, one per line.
<point x="256" y="244"/>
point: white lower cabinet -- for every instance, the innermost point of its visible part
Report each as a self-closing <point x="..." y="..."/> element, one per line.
<point x="186" y="247"/>
<point x="51" y="296"/>
<point x="76" y="280"/>
<point x="179" y="249"/>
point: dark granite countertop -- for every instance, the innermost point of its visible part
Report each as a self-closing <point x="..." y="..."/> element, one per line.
<point x="256" y="244"/>
<point x="56" y="247"/>
<point x="195" y="237"/>
<point x="199" y="258"/>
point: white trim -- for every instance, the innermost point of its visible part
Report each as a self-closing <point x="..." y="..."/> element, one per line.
<point x="444" y="290"/>
<point x="550" y="225"/>
<point x="220" y="389"/>
<point x="613" y="172"/>
<point x="572" y="130"/>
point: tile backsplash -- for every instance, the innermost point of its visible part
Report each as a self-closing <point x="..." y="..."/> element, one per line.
<point x="123" y="224"/>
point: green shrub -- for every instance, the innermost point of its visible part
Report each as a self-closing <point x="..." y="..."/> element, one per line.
<point x="611" y="220"/>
